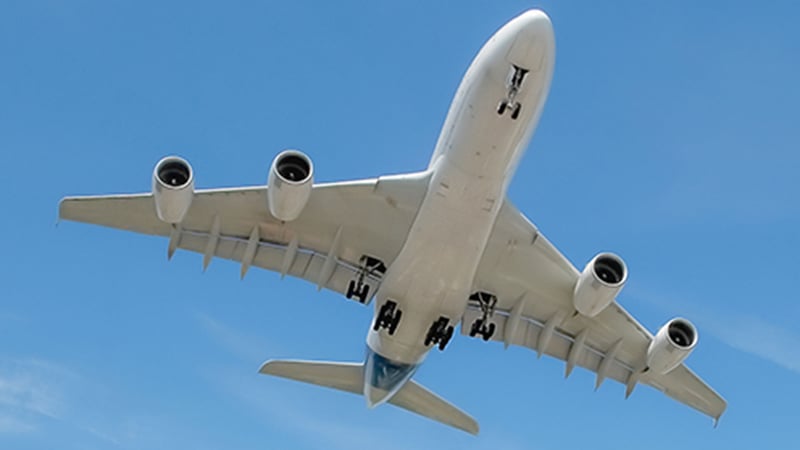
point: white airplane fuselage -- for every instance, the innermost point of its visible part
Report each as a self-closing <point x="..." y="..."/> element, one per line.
<point x="473" y="162"/>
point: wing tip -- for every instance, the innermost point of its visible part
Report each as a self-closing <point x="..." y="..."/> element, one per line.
<point x="267" y="368"/>
<point x="63" y="205"/>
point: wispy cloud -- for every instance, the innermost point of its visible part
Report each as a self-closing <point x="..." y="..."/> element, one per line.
<point x="762" y="338"/>
<point x="758" y="337"/>
<point x="13" y="425"/>
<point x="30" y="390"/>
<point x="244" y="346"/>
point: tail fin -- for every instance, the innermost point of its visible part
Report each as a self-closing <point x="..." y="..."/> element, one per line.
<point x="349" y="377"/>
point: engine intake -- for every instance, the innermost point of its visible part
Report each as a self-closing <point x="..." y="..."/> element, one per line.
<point x="672" y="344"/>
<point x="173" y="188"/>
<point x="601" y="280"/>
<point x="289" y="184"/>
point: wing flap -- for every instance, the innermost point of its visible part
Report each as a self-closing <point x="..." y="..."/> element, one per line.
<point x="306" y="263"/>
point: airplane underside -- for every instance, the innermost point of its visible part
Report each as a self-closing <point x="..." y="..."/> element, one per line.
<point x="431" y="250"/>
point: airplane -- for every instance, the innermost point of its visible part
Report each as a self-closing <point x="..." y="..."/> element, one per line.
<point x="430" y="249"/>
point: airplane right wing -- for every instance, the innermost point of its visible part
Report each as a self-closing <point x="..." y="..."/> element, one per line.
<point x="534" y="286"/>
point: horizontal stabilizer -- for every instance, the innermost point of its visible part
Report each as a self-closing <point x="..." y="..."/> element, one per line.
<point x="414" y="397"/>
<point x="349" y="377"/>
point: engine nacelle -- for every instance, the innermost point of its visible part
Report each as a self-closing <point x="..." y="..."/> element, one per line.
<point x="173" y="188"/>
<point x="289" y="184"/>
<point x="598" y="284"/>
<point x="671" y="345"/>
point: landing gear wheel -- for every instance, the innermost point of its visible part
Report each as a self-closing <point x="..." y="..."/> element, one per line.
<point x="377" y="325"/>
<point x="439" y="333"/>
<point x="370" y="267"/>
<point x="388" y="317"/>
<point x="501" y="108"/>
<point x="363" y="293"/>
<point x="395" y="321"/>
<point x="475" y="328"/>
<point x="446" y="338"/>
<point x="488" y="332"/>
<point x="515" y="112"/>
<point x="482" y="326"/>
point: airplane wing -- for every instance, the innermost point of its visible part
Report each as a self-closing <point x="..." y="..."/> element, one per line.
<point x="341" y="223"/>
<point x="534" y="282"/>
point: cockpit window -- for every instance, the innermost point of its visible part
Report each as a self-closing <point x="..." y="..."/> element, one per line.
<point x="385" y="374"/>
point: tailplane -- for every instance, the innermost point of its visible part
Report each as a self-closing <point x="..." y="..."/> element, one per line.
<point x="349" y="377"/>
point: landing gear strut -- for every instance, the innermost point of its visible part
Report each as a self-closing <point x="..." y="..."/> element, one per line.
<point x="388" y="317"/>
<point x="439" y="333"/>
<point x="482" y="326"/>
<point x="368" y="266"/>
<point x="514" y="84"/>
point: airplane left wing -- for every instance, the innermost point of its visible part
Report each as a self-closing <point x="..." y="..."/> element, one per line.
<point x="341" y="223"/>
<point x="534" y="283"/>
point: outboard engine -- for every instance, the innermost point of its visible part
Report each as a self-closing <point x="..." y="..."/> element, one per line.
<point x="173" y="188"/>
<point x="289" y="184"/>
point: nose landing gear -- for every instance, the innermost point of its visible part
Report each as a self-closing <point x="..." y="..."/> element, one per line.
<point x="514" y="85"/>
<point x="482" y="326"/>
<point x="439" y="333"/>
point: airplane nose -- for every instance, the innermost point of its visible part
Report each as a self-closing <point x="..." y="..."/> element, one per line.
<point x="533" y="42"/>
<point x="375" y="396"/>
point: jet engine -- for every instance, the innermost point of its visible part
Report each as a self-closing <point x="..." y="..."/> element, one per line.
<point x="671" y="345"/>
<point x="598" y="284"/>
<point x="173" y="188"/>
<point x="289" y="184"/>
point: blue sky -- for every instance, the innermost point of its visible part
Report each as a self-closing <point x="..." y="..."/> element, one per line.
<point x="670" y="136"/>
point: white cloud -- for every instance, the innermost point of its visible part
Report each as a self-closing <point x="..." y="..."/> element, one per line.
<point x="243" y="346"/>
<point x="744" y="332"/>
<point x="30" y="389"/>
<point x="757" y="337"/>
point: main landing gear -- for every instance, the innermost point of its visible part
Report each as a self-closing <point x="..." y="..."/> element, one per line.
<point x="482" y="326"/>
<point x="514" y="84"/>
<point x="368" y="266"/>
<point x="439" y="333"/>
<point x="388" y="317"/>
